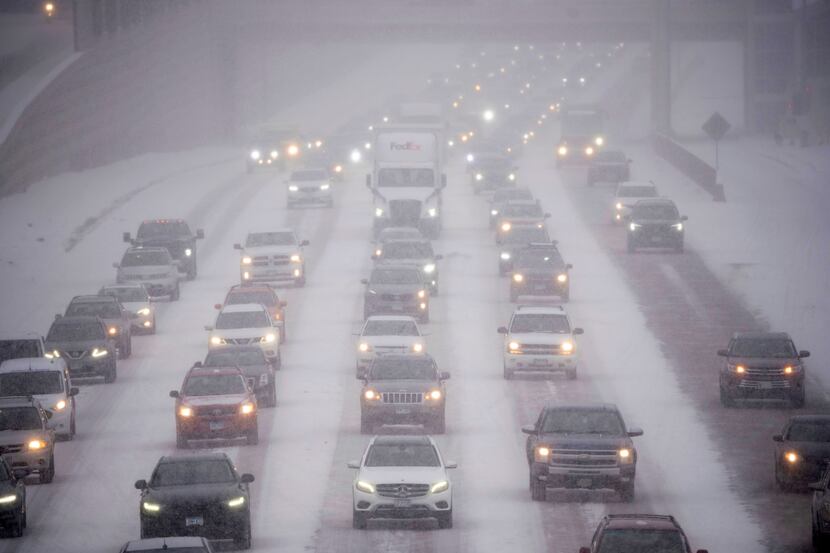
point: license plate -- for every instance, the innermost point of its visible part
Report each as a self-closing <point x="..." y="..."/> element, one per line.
<point x="656" y="239"/>
<point x="402" y="411"/>
<point x="194" y="521"/>
<point x="766" y="385"/>
<point x="583" y="483"/>
<point x="396" y="307"/>
<point x="539" y="361"/>
<point x="402" y="503"/>
<point x="219" y="425"/>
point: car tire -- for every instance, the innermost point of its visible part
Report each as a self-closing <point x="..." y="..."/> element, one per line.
<point x="781" y="484"/>
<point x="627" y="492"/>
<point x="514" y="296"/>
<point x="439" y="424"/>
<point x="424" y="318"/>
<point x="445" y="520"/>
<point x="283" y="334"/>
<point x="72" y="430"/>
<point x="272" y="393"/>
<point x="797" y="399"/>
<point x="630" y="246"/>
<point x="111" y="375"/>
<point x="538" y="489"/>
<point x="508" y="373"/>
<point x="152" y="328"/>
<point x="819" y="540"/>
<point x="358" y="520"/>
<point x="434" y="291"/>
<point x="174" y="296"/>
<point x="726" y="398"/>
<point x="243" y="539"/>
<point x="300" y="282"/>
<point x="565" y="295"/>
<point x="49" y="475"/>
<point x="16" y="527"/>
<point x="571" y="374"/>
<point x="252" y="436"/>
<point x="366" y="425"/>
<point x="182" y="441"/>
<point x="679" y="248"/>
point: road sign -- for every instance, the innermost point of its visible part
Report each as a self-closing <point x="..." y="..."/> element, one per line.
<point x="716" y="126"/>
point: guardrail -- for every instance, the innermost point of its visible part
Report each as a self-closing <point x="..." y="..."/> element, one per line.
<point x="700" y="172"/>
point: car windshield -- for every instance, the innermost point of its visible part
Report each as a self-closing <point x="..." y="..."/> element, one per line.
<point x="637" y="192"/>
<point x="127" y="293"/>
<point x="171" y="229"/>
<point x="507" y="194"/>
<point x="196" y="471"/>
<point x="540" y="259"/>
<point x="31" y="383"/>
<point x="213" y="385"/>
<point x="611" y="156"/>
<point x="15" y="349"/>
<point x="403" y="369"/>
<point x="763" y="347"/>
<point x="263" y="297"/>
<point x="5" y="475"/>
<point x="582" y="421"/>
<point x="402" y="455"/>
<point x="390" y="328"/>
<point x="542" y="322"/>
<point x="526" y="235"/>
<point x="229" y="358"/>
<point x="146" y="258"/>
<point x="809" y="431"/>
<point x="655" y="212"/>
<point x="309" y="175"/>
<point x="405" y="177"/>
<point x="493" y="163"/>
<point x="105" y="310"/>
<point x="633" y="540"/>
<point x="396" y="276"/>
<point x="19" y="418"/>
<point x="73" y="332"/>
<point x="258" y="239"/>
<point x="245" y="319"/>
<point x="407" y="250"/>
<point x="522" y="210"/>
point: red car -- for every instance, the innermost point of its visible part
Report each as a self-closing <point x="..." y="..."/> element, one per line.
<point x="263" y="294"/>
<point x="215" y="403"/>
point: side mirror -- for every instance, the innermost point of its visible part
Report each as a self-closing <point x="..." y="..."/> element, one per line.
<point x="353" y="464"/>
<point x="439" y="257"/>
<point x="369" y="181"/>
<point x="450" y="465"/>
<point x="283" y="303"/>
<point x="246" y="478"/>
<point x="20" y="474"/>
<point x="529" y="429"/>
<point x="569" y="266"/>
<point x="208" y="328"/>
<point x="502" y="330"/>
<point x="174" y="394"/>
<point x="723" y="353"/>
<point x="304" y="243"/>
<point x="816" y="486"/>
<point x="778" y="438"/>
<point x="116" y="265"/>
<point x="237" y="246"/>
<point x="197" y="364"/>
<point x="200" y="234"/>
<point x="217" y="306"/>
<point x="364" y="281"/>
<point x="684" y="218"/>
<point x="141" y="484"/>
<point x="803" y="353"/>
<point x="126" y="237"/>
<point x="633" y="432"/>
<point x="577" y="331"/>
<point x="58" y="316"/>
<point x="444" y="375"/>
<point x="74" y="392"/>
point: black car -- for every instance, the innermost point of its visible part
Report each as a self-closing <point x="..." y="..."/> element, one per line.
<point x="12" y="499"/>
<point x="403" y="389"/>
<point x="655" y="224"/>
<point x="258" y="371"/>
<point x="502" y="197"/>
<point x="84" y="344"/>
<point x="802" y="450"/>
<point x="196" y="495"/>
<point x="492" y="171"/>
<point x="396" y="290"/>
<point x="762" y="365"/>
<point x="640" y="533"/>
<point x="581" y="446"/>
<point x="538" y="270"/>
<point x="186" y="544"/>
<point x="820" y="511"/>
<point x="609" y="166"/>
<point x="173" y="234"/>
<point x="118" y="320"/>
<point x="518" y="239"/>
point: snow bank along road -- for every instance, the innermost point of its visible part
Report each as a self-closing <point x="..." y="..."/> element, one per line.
<point x="652" y="324"/>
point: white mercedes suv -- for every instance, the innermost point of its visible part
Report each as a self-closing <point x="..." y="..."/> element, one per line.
<point x="402" y="477"/>
<point x="385" y="335"/>
<point x="540" y="339"/>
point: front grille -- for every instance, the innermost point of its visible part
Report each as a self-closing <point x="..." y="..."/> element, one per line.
<point x="266" y="260"/>
<point x="405" y="212"/>
<point x="241" y="341"/>
<point x="538" y="349"/>
<point x="764" y="372"/>
<point x="75" y="354"/>
<point x="215" y="411"/>
<point x="11" y="448"/>
<point x="584" y="458"/>
<point x="402" y="397"/>
<point x="766" y="378"/>
<point x="397" y="297"/>
<point x="402" y="490"/>
<point x="388" y="350"/>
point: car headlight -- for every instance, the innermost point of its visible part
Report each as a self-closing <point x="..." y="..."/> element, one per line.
<point x="364" y="347"/>
<point x="479" y="176"/>
<point x="541" y="454"/>
<point x="255" y="154"/>
<point x="439" y="487"/>
<point x="589" y="151"/>
<point x="470" y="158"/>
<point x="417" y="347"/>
<point x="678" y="226"/>
<point x="246" y="408"/>
<point x="566" y="347"/>
<point x="562" y="151"/>
<point x="738" y="369"/>
<point x="216" y="340"/>
<point x="246" y="260"/>
<point x="371" y="395"/>
<point x="434" y="395"/>
<point x="144" y="311"/>
<point x="422" y="294"/>
<point x="295" y="258"/>
<point x="365" y="487"/>
<point x="355" y="156"/>
<point x="60" y="405"/>
<point x="96" y="353"/>
<point x="35" y="445"/>
<point x="494" y="212"/>
<point x="514" y="347"/>
<point x="505" y="227"/>
<point x="237" y="501"/>
<point x="792" y="457"/>
<point x="505" y="256"/>
<point x="432" y="212"/>
<point x="511" y="177"/>
<point x="151" y="507"/>
<point x="619" y="205"/>
<point x="563" y="278"/>
<point x="55" y="353"/>
<point x="268" y="338"/>
<point x="293" y="188"/>
<point x="112" y="331"/>
<point x="378" y="212"/>
<point x="293" y="150"/>
<point x="325" y="186"/>
<point x="6" y="499"/>
<point x="518" y="277"/>
<point x="633" y="226"/>
<point x="185" y="411"/>
<point x="626" y="456"/>
<point x="429" y="268"/>
<point x="599" y="141"/>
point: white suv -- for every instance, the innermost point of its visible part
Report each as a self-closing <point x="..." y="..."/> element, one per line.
<point x="385" y="335"/>
<point x="402" y="477"/>
<point x="243" y="324"/>
<point x="540" y="339"/>
<point x="309" y="186"/>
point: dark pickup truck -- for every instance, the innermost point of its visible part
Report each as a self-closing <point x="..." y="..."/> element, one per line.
<point x="173" y="234"/>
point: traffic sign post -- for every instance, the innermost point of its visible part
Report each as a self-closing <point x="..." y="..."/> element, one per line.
<point x="716" y="127"/>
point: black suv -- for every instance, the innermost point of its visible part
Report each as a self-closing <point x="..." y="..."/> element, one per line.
<point x="196" y="495"/>
<point x="118" y="320"/>
<point x="85" y="346"/>
<point x="403" y="389"/>
<point x="609" y="166"/>
<point x="396" y="290"/>
<point x="581" y="446"/>
<point x="633" y="532"/>
<point x="802" y="450"/>
<point x="173" y="234"/>
<point x="654" y="224"/>
<point x="492" y="171"/>
<point x="518" y="239"/>
<point x="504" y="196"/>
<point x="538" y="270"/>
<point x="13" y="494"/>
<point x="762" y="365"/>
<point x="258" y="371"/>
<point x="820" y="511"/>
